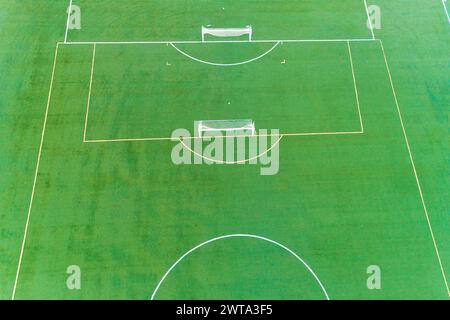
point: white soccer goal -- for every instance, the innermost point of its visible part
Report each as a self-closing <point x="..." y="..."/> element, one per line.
<point x="227" y="32"/>
<point x="240" y="126"/>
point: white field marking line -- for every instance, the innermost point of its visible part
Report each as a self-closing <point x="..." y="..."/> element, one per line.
<point x="231" y="162"/>
<point x="232" y="136"/>
<point x="356" y="88"/>
<point x="212" y="42"/>
<point x="25" y="234"/>
<point x="370" y="21"/>
<point x="225" y="64"/>
<point x="445" y="8"/>
<point x="414" y="169"/>
<point x="68" y="19"/>
<point x="337" y="133"/>
<point x="89" y="95"/>
<point x="241" y="236"/>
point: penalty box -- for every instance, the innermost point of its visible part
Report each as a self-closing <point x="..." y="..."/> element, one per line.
<point x="146" y="91"/>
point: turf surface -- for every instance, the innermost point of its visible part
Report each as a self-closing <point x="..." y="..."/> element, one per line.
<point x="125" y="213"/>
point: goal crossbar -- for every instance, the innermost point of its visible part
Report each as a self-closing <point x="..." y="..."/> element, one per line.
<point x="238" y="125"/>
<point x="227" y="32"/>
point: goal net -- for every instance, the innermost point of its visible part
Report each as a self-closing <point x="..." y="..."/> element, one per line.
<point x="240" y="126"/>
<point x="227" y="32"/>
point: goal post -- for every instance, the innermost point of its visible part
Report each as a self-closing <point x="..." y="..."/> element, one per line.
<point x="239" y="126"/>
<point x="227" y="32"/>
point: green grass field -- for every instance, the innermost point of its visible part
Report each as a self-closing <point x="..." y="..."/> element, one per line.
<point x="87" y="177"/>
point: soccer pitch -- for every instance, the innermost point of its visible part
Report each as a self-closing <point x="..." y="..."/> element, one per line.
<point x="107" y="199"/>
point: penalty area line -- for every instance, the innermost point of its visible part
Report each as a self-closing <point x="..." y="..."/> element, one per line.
<point x="305" y="134"/>
<point x="69" y="9"/>
<point x="168" y="42"/>
<point x="370" y="21"/>
<point x="89" y="94"/>
<point x="355" y="87"/>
